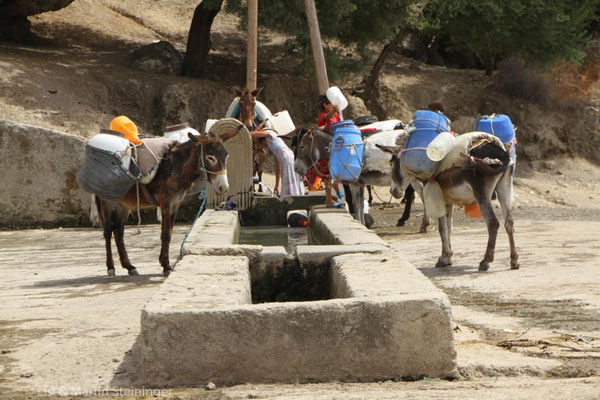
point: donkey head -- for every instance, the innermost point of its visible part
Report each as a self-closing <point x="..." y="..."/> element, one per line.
<point x="212" y="157"/>
<point x="247" y="103"/>
<point x="311" y="147"/>
<point x="399" y="179"/>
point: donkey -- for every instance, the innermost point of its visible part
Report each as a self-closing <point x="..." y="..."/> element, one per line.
<point x="314" y="150"/>
<point x="246" y="116"/>
<point x="477" y="166"/>
<point x="202" y="156"/>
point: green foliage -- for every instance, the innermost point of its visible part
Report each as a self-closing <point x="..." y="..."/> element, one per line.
<point x="539" y="31"/>
<point x="351" y="22"/>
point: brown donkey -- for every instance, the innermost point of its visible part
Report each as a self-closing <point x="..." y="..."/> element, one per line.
<point x="182" y="165"/>
<point x="246" y="116"/>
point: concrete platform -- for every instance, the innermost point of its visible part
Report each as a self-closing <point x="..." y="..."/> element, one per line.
<point x="383" y="319"/>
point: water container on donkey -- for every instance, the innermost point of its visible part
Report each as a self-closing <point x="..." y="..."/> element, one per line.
<point x="346" y="159"/>
<point x="108" y="169"/>
<point x="424" y="127"/>
<point x="500" y="126"/>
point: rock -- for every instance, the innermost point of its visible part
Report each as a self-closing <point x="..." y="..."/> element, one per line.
<point x="210" y="386"/>
<point x="14" y="25"/>
<point x="159" y="57"/>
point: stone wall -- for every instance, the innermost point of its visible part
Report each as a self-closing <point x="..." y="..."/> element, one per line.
<point x="38" y="178"/>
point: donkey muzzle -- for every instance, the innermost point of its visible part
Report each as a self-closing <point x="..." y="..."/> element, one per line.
<point x="220" y="183"/>
<point x="300" y="167"/>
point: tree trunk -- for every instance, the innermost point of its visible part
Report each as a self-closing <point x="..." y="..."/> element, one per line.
<point x="195" y="63"/>
<point x="371" y="80"/>
<point x="490" y="65"/>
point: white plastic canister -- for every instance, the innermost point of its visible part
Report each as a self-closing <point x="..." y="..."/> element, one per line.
<point x="435" y="205"/>
<point x="114" y="144"/>
<point x="281" y="123"/>
<point x="335" y="96"/>
<point x="179" y="132"/>
<point x="209" y="124"/>
<point x="440" y="146"/>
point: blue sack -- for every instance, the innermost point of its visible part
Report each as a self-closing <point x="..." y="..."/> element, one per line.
<point x="425" y="126"/>
<point x="498" y="125"/>
<point x="346" y="156"/>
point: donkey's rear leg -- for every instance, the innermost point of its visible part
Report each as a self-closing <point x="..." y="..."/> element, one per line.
<point x="119" y="233"/>
<point x="504" y="190"/>
<point x="485" y="205"/>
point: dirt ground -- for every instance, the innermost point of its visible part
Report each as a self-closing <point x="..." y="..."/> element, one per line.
<point x="532" y="333"/>
<point x="67" y="329"/>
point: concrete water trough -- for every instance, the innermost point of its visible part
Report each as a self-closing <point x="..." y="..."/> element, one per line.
<point x="348" y="309"/>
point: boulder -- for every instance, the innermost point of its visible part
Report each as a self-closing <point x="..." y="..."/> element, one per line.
<point x="159" y="57"/>
<point x="14" y="24"/>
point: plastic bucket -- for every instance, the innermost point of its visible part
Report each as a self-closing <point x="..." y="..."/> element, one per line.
<point x="281" y="123"/>
<point x="335" y="96"/>
<point x="346" y="159"/>
<point x="498" y="125"/>
<point x="112" y="144"/>
<point x="435" y="204"/>
<point x="472" y="211"/>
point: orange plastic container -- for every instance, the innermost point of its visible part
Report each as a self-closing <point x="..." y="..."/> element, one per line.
<point x="473" y="211"/>
<point x="126" y="127"/>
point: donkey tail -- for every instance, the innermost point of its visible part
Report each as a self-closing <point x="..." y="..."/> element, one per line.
<point x="488" y="158"/>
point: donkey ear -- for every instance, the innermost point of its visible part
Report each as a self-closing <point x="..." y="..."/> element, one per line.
<point x="394" y="150"/>
<point x="228" y="135"/>
<point x="256" y="92"/>
<point x="197" y="138"/>
<point x="238" y="91"/>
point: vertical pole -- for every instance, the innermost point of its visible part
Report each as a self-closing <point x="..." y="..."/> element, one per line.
<point x="317" y="46"/>
<point x="251" y="60"/>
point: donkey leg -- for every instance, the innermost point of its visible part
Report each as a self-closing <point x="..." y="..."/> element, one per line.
<point x="445" y="229"/>
<point x="105" y="218"/>
<point x="504" y="190"/>
<point x="409" y="196"/>
<point x="119" y="233"/>
<point x="165" y="238"/>
<point x="485" y="205"/>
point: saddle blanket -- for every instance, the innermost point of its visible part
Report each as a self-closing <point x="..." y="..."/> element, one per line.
<point x="149" y="154"/>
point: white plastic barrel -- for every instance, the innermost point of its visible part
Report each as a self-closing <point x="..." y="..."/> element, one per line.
<point x="114" y="144"/>
<point x="281" y="123"/>
<point x="435" y="205"/>
<point x="209" y="124"/>
<point x="440" y="146"/>
<point x="179" y="132"/>
<point x="335" y="96"/>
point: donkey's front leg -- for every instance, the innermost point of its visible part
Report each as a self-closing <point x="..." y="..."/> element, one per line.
<point x="119" y="233"/>
<point x="165" y="238"/>
<point x="445" y="229"/>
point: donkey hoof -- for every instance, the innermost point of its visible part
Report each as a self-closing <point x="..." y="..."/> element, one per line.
<point x="514" y="265"/>
<point x="400" y="222"/>
<point x="442" y="264"/>
<point x="167" y="272"/>
<point x="133" y="272"/>
<point x="484" y="265"/>
<point x="111" y="272"/>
